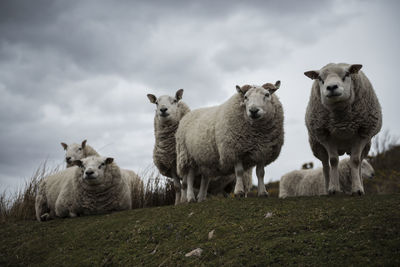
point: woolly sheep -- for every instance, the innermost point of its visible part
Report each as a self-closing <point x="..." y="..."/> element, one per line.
<point x="312" y="183"/>
<point x="96" y="185"/>
<point x="169" y="112"/>
<point x="343" y="114"/>
<point x="245" y="131"/>
<point x="75" y="152"/>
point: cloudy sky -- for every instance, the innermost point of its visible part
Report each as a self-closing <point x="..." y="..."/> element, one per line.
<point x="75" y="70"/>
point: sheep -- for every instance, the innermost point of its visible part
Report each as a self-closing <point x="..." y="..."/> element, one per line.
<point x="312" y="183"/>
<point x="342" y="116"/>
<point x="95" y="185"/>
<point x="169" y="112"/>
<point x="243" y="132"/>
<point x="75" y="151"/>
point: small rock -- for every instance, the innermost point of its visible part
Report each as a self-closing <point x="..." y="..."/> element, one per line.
<point x="268" y="215"/>
<point x="211" y="234"/>
<point x="196" y="252"/>
<point x="190" y="214"/>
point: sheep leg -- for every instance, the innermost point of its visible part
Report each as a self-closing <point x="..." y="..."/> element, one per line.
<point x="239" y="188"/>
<point x="190" y="192"/>
<point x="184" y="189"/>
<point x="203" y="189"/>
<point x="177" y="187"/>
<point x="260" y="176"/>
<point x="334" y="185"/>
<point x="355" y="167"/>
<point x="326" y="169"/>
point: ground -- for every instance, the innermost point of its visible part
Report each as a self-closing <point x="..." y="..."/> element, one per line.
<point x="340" y="230"/>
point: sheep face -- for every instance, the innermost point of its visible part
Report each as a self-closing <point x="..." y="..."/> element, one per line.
<point x="73" y="152"/>
<point x="93" y="168"/>
<point x="167" y="106"/>
<point x="367" y="171"/>
<point x="335" y="83"/>
<point x="257" y="99"/>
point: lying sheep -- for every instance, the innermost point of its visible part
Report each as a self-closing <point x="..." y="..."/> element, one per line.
<point x="96" y="185"/>
<point x="342" y="116"/>
<point x="312" y="182"/>
<point x="169" y="112"/>
<point x="245" y="131"/>
<point x="75" y="151"/>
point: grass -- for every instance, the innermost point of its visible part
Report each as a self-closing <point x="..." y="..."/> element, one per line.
<point x="338" y="230"/>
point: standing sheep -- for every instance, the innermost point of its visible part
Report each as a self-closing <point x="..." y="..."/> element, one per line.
<point x="245" y="131"/>
<point x="308" y="182"/>
<point x="96" y="185"/>
<point x="169" y="112"/>
<point x="75" y="151"/>
<point x="343" y="114"/>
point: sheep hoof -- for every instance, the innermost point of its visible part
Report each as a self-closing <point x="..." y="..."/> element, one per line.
<point x="239" y="195"/>
<point x="332" y="192"/>
<point x="263" y="194"/>
<point x="45" y="217"/>
<point x="357" y="193"/>
<point x="191" y="200"/>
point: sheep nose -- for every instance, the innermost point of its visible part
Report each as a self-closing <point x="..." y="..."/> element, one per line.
<point x="89" y="172"/>
<point x="254" y="111"/>
<point x="163" y="110"/>
<point x="332" y="87"/>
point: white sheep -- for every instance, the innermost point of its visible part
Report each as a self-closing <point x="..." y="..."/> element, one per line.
<point x="245" y="131"/>
<point x="311" y="182"/>
<point x="75" y="152"/>
<point x="343" y="114"/>
<point x="169" y="112"/>
<point x="96" y="185"/>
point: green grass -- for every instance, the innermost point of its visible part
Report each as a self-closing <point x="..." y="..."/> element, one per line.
<point x="339" y="230"/>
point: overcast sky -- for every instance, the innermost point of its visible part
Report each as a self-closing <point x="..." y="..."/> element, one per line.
<point x="75" y="70"/>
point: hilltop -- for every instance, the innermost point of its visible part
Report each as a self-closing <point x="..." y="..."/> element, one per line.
<point x="302" y="231"/>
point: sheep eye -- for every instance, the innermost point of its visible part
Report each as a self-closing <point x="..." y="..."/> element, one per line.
<point x="320" y="79"/>
<point x="346" y="75"/>
<point x="245" y="97"/>
<point x="267" y="95"/>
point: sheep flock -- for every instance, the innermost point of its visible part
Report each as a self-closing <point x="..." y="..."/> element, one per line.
<point x="214" y="150"/>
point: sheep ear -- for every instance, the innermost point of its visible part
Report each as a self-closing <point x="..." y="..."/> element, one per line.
<point x="179" y="94"/>
<point x="312" y="74"/>
<point x="64" y="145"/>
<point x="109" y="160"/>
<point x="152" y="98"/>
<point x="78" y="163"/>
<point x="239" y="90"/>
<point x="277" y="84"/>
<point x="84" y="144"/>
<point x="355" y="68"/>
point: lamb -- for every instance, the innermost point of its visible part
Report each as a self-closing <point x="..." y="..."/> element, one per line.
<point x="75" y="152"/>
<point x="312" y="183"/>
<point x="243" y="132"/>
<point x="96" y="185"/>
<point x="342" y="116"/>
<point x="169" y="112"/>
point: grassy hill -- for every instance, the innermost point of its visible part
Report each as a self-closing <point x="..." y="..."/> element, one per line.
<point x="340" y="230"/>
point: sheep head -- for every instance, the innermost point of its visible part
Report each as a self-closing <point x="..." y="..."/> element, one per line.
<point x="257" y="99"/>
<point x="335" y="83"/>
<point x="73" y="152"/>
<point x="167" y="106"/>
<point x="93" y="168"/>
